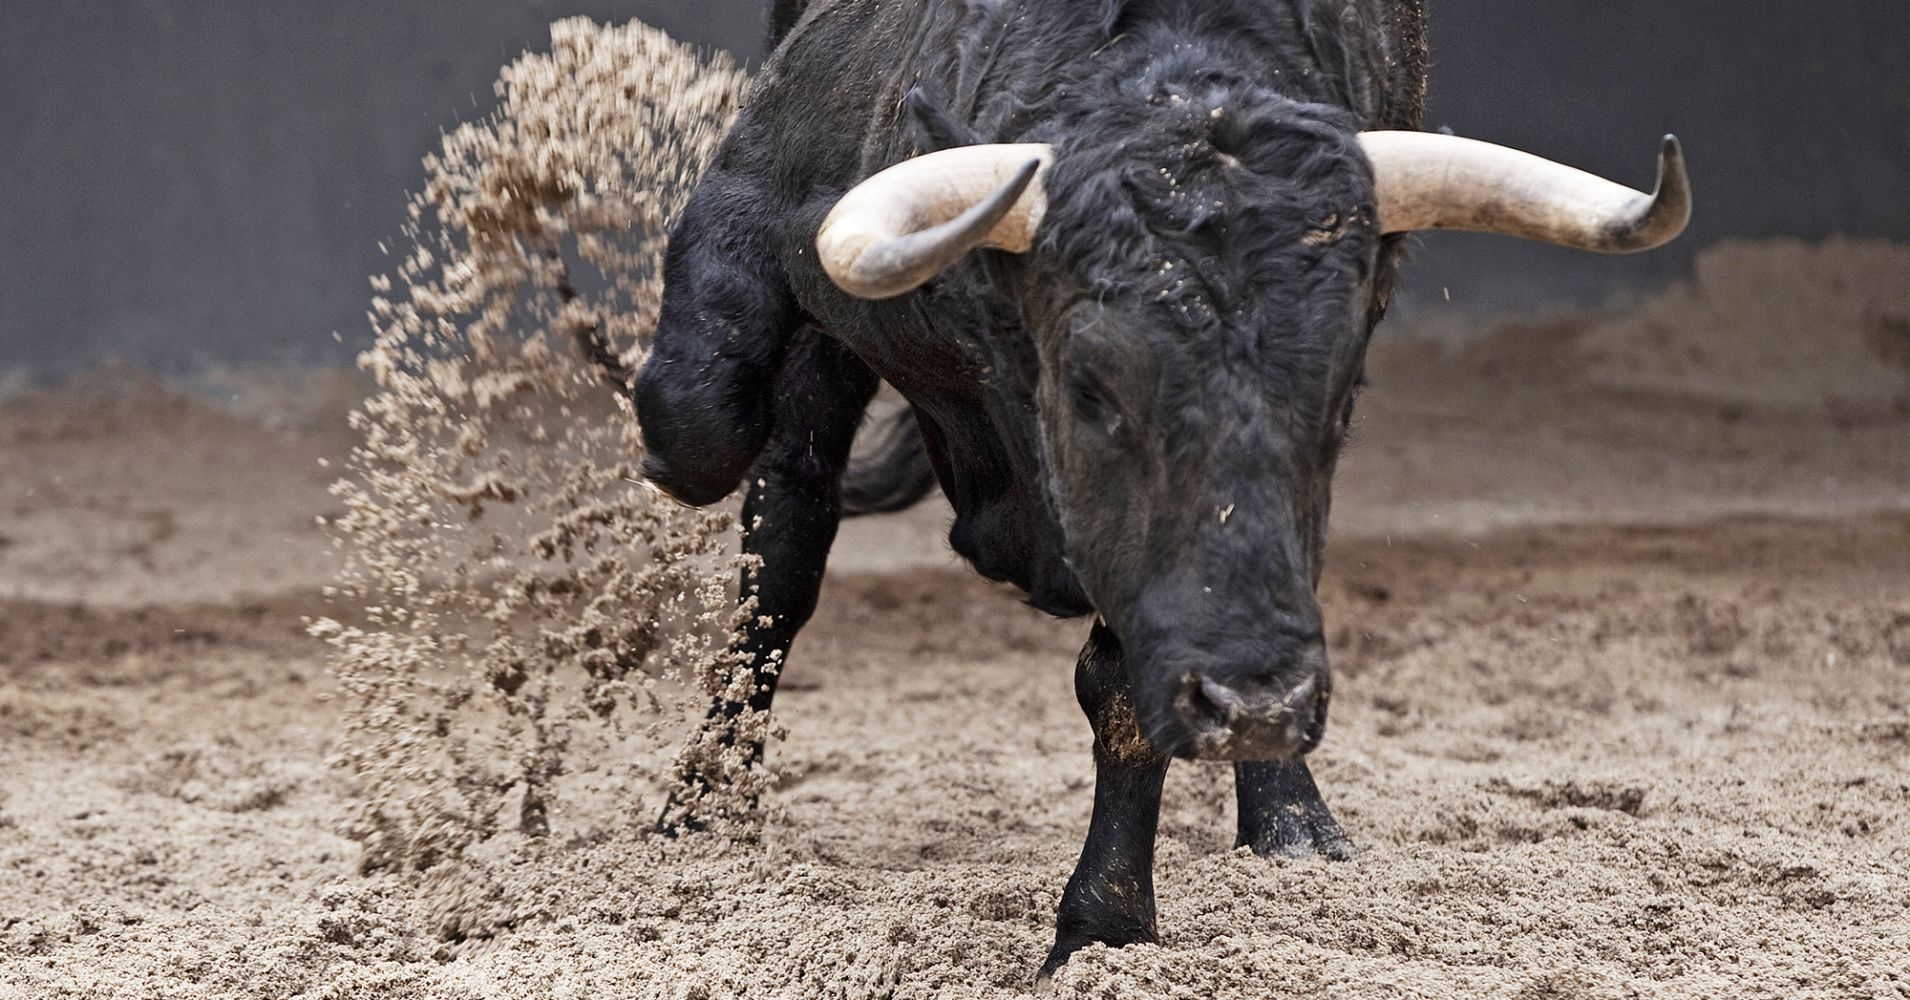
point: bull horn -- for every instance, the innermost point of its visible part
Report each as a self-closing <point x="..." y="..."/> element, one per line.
<point x="1432" y="181"/>
<point x="903" y="226"/>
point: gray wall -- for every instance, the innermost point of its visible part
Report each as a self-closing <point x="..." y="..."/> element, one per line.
<point x="193" y="181"/>
<point x="190" y="182"/>
<point x="1795" y="114"/>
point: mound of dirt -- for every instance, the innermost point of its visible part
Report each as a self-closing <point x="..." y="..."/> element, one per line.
<point x="1771" y="383"/>
<point x="1772" y="324"/>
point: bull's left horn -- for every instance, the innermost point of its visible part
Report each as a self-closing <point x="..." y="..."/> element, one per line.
<point x="903" y="226"/>
<point x="1431" y="181"/>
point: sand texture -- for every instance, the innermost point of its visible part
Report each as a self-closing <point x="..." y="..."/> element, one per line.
<point x="1658" y="747"/>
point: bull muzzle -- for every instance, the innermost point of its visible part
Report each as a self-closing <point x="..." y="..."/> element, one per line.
<point x="1252" y="718"/>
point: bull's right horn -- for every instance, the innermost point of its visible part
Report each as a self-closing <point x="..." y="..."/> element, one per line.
<point x="906" y="224"/>
<point x="1426" y="180"/>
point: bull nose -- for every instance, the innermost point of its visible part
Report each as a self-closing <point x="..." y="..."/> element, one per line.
<point x="1251" y="719"/>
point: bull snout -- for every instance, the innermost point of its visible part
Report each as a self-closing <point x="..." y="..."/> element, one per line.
<point x="1252" y="717"/>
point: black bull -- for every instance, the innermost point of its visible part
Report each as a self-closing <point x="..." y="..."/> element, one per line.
<point x="1137" y="418"/>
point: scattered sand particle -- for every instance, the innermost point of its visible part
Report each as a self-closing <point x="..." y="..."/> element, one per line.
<point x="537" y="623"/>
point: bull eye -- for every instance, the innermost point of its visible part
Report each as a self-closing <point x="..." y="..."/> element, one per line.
<point x="1090" y="402"/>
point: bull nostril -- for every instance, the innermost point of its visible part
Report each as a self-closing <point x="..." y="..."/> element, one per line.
<point x="1227" y="702"/>
<point x="1301" y="701"/>
<point x="1205" y="706"/>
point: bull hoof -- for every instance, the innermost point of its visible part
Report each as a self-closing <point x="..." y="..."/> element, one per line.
<point x="1297" y="832"/>
<point x="1283" y="816"/>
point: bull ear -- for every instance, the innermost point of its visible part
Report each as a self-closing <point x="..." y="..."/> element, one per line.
<point x="1431" y="181"/>
<point x="931" y="126"/>
<point x="903" y="226"/>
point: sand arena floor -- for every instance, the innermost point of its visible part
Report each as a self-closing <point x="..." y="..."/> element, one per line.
<point x="1624" y="710"/>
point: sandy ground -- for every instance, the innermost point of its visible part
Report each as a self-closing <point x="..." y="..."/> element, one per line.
<point x="1624" y="711"/>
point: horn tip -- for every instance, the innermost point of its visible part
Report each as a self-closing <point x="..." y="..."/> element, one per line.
<point x="1674" y="181"/>
<point x="1671" y="149"/>
<point x="1670" y="205"/>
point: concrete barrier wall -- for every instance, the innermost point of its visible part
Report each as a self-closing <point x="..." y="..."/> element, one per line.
<point x="185" y="182"/>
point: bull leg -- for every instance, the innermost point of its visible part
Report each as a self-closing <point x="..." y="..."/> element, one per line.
<point x="1110" y="898"/>
<point x="790" y="514"/>
<point x="1282" y="814"/>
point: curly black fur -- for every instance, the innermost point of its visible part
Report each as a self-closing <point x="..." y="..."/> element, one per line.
<point x="1200" y="212"/>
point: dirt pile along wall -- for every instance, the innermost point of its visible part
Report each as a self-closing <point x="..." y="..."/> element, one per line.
<point x="1778" y="324"/>
<point x="536" y="620"/>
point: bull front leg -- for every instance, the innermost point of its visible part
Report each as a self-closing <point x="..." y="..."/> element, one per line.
<point x="791" y="511"/>
<point x="1110" y="898"/>
<point x="738" y="385"/>
<point x="1282" y="815"/>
